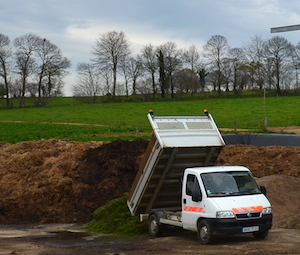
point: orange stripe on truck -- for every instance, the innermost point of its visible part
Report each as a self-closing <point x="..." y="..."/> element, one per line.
<point x="193" y="209"/>
<point x="248" y="209"/>
<point x="257" y="208"/>
<point x="245" y="209"/>
<point x="235" y="210"/>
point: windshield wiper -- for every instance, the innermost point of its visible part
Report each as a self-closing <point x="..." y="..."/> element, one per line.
<point x="220" y="194"/>
<point x="224" y="193"/>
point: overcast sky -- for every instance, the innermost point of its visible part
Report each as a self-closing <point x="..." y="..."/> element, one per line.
<point x="74" y="25"/>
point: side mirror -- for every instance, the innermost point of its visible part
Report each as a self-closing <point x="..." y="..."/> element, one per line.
<point x="263" y="190"/>
<point x="196" y="196"/>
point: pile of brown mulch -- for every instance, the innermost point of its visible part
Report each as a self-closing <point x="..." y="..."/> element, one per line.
<point x="63" y="181"/>
<point x="263" y="161"/>
<point x="284" y="195"/>
<point x="50" y="181"/>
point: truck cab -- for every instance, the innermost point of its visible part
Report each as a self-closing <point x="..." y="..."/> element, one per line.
<point x="224" y="200"/>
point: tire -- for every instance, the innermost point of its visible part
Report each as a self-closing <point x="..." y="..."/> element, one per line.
<point x="261" y="235"/>
<point x="155" y="229"/>
<point x="205" y="235"/>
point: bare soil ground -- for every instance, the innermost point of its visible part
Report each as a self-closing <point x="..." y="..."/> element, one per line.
<point x="60" y="181"/>
<point x="291" y="129"/>
<point x="55" y="239"/>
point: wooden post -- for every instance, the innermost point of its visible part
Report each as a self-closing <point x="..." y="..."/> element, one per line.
<point x="265" y="122"/>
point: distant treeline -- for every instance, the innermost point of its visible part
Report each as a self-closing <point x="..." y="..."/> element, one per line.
<point x="33" y="67"/>
<point x="59" y="101"/>
<point x="168" y="70"/>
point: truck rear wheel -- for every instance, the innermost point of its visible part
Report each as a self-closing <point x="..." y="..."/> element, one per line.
<point x="155" y="229"/>
<point x="205" y="235"/>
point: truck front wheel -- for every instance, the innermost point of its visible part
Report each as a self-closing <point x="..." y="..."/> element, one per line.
<point x="155" y="229"/>
<point x="261" y="235"/>
<point x="205" y="235"/>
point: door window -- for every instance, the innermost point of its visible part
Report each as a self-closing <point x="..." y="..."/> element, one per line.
<point x="192" y="184"/>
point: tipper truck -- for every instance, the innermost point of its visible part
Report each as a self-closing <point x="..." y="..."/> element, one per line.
<point x="177" y="183"/>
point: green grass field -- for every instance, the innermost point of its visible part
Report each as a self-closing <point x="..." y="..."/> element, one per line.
<point x="66" y="119"/>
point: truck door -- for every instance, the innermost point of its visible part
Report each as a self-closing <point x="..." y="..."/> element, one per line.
<point x="192" y="202"/>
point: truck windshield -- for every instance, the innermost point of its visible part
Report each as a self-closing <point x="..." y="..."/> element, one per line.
<point x="233" y="183"/>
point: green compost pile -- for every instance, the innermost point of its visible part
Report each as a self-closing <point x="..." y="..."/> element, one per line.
<point x="115" y="218"/>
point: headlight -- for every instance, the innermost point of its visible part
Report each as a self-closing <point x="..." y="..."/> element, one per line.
<point x="225" y="214"/>
<point x="267" y="210"/>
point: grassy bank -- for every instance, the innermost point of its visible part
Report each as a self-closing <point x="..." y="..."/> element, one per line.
<point x="63" y="119"/>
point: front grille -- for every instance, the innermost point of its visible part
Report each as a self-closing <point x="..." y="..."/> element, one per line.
<point x="248" y="216"/>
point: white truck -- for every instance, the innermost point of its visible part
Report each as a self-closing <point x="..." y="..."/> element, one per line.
<point x="177" y="183"/>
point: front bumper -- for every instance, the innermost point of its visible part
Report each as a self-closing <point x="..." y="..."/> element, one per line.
<point x="234" y="226"/>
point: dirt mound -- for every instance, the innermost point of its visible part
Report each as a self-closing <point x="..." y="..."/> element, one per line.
<point x="283" y="193"/>
<point x="50" y="181"/>
<point x="263" y="161"/>
<point x="63" y="181"/>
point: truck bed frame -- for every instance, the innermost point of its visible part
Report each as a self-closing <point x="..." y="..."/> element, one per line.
<point x="177" y="143"/>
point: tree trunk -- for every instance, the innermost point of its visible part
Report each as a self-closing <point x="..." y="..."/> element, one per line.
<point x="115" y="80"/>
<point x="6" y="88"/>
<point x="153" y="85"/>
<point x="22" y="101"/>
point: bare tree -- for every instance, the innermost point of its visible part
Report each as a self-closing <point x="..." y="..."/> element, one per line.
<point x="89" y="82"/>
<point x="279" y="50"/>
<point x="15" y="87"/>
<point x="5" y="63"/>
<point x="172" y="61"/>
<point x="269" y="73"/>
<point x="108" y="80"/>
<point x="192" y="57"/>
<point x="110" y="49"/>
<point x="255" y="52"/>
<point x="144" y="87"/>
<point x="50" y="66"/>
<point x="148" y="58"/>
<point x="186" y="81"/>
<point x="226" y="71"/>
<point x="215" y="50"/>
<point x="296" y="63"/>
<point x="236" y="60"/>
<point x="25" y="47"/>
<point x="134" y="70"/>
<point x="55" y="72"/>
<point x="125" y="70"/>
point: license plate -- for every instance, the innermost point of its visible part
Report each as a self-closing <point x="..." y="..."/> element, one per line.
<point x="250" y="229"/>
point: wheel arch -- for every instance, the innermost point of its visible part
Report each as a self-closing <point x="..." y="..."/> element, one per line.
<point x="157" y="213"/>
<point x="198" y="221"/>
